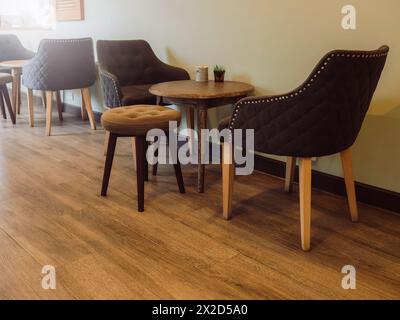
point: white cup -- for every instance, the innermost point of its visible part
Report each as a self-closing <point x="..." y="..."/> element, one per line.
<point x="202" y="73"/>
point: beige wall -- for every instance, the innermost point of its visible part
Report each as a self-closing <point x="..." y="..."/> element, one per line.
<point x="273" y="44"/>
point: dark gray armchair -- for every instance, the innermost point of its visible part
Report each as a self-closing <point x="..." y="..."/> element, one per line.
<point x="322" y="117"/>
<point x="128" y="69"/>
<point x="66" y="64"/>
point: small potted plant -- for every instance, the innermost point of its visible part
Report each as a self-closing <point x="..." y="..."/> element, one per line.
<point x="219" y="74"/>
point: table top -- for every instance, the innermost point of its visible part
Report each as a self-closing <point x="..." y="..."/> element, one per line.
<point x="13" y="63"/>
<point x="188" y="89"/>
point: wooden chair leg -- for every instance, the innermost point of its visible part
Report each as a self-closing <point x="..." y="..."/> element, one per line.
<point x="347" y="164"/>
<point x="2" y="107"/>
<point x="83" y="109"/>
<point x="8" y="103"/>
<point x="49" y="107"/>
<point x="290" y="172"/>
<point x="44" y="99"/>
<point x="133" y="144"/>
<point x="228" y="174"/>
<point x="59" y="106"/>
<point x="30" y="108"/>
<point x="88" y="105"/>
<point x="140" y="170"/>
<point x="112" y="142"/>
<point x="305" y="202"/>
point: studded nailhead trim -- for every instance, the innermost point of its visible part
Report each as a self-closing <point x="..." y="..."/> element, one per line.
<point x="304" y="88"/>
<point x="109" y="76"/>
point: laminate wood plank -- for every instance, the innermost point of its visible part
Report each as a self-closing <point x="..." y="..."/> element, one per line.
<point x="181" y="247"/>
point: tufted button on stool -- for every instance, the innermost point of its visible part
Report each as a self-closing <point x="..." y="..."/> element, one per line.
<point x="137" y="121"/>
<point x="6" y="78"/>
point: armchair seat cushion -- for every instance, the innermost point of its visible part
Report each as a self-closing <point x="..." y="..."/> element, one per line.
<point x="138" y="120"/>
<point x="137" y="94"/>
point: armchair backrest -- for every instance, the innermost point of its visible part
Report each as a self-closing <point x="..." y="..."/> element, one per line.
<point x="133" y="62"/>
<point x="324" y="115"/>
<point x="62" y="64"/>
<point x="12" y="49"/>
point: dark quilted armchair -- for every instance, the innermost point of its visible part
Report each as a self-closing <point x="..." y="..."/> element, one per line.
<point x="66" y="64"/>
<point x="128" y="69"/>
<point x="320" y="118"/>
<point x="12" y="49"/>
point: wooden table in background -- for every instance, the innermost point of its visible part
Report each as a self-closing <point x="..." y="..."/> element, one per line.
<point x="16" y="72"/>
<point x="201" y="96"/>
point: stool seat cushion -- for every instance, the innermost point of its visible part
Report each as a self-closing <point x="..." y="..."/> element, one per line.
<point x="5" y="78"/>
<point x="138" y="120"/>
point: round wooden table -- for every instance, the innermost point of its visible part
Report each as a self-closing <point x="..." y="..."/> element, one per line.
<point x="199" y="97"/>
<point x="16" y="72"/>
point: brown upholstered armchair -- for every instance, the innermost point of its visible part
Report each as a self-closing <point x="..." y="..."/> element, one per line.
<point x="128" y="69"/>
<point x="320" y="118"/>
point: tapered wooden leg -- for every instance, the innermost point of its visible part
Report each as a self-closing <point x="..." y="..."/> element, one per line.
<point x="49" y="107"/>
<point x="305" y="202"/>
<point x="59" y="106"/>
<point x="133" y="144"/>
<point x="83" y="109"/>
<point x="179" y="177"/>
<point x="88" y="105"/>
<point x="44" y="99"/>
<point x="347" y="164"/>
<point x="30" y="108"/>
<point x="155" y="166"/>
<point x="290" y="172"/>
<point x="146" y="164"/>
<point x="8" y="103"/>
<point x="228" y="175"/>
<point x="112" y="142"/>
<point x="106" y="140"/>
<point x="3" y="109"/>
<point x="140" y="170"/>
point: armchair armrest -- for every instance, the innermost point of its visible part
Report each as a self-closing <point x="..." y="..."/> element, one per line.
<point x="111" y="89"/>
<point x="171" y="73"/>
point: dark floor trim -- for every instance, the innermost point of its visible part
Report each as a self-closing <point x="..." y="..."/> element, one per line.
<point x="76" y="111"/>
<point x="367" y="194"/>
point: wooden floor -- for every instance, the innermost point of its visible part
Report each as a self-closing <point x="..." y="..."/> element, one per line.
<point x="180" y="248"/>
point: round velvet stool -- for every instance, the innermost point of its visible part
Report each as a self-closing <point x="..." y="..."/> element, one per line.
<point x="137" y="121"/>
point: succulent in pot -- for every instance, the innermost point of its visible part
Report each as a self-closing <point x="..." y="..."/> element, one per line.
<point x="219" y="74"/>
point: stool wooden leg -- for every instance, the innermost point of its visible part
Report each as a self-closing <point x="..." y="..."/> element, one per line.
<point x="112" y="142"/>
<point x="140" y="170"/>
<point x="155" y="166"/>
<point x="7" y="100"/>
<point x="179" y="177"/>
<point x="3" y="109"/>
<point x="146" y="164"/>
